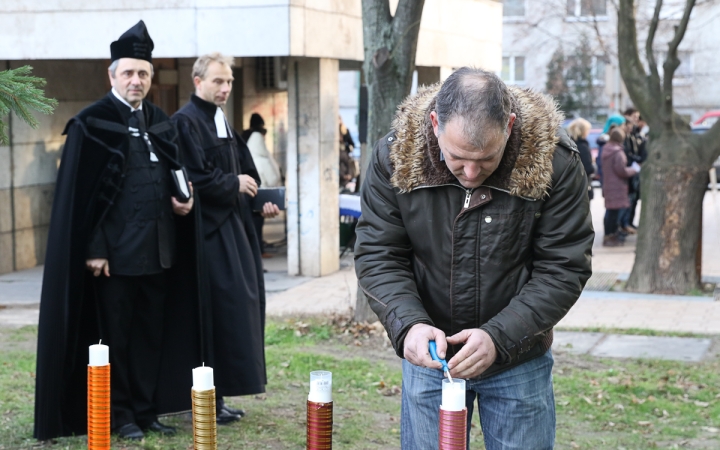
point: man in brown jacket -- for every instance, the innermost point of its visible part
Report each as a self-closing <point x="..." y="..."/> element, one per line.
<point x="475" y="233"/>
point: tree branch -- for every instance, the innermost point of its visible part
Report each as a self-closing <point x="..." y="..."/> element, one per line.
<point x="649" y="53"/>
<point x="672" y="62"/>
<point x="631" y="68"/>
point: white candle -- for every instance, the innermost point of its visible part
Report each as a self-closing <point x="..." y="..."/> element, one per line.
<point x="203" y="378"/>
<point x="320" y="386"/>
<point x="453" y="395"/>
<point x="99" y="355"/>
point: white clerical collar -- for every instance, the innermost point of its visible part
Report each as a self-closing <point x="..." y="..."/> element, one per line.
<point x="115" y="93"/>
<point x="220" y="123"/>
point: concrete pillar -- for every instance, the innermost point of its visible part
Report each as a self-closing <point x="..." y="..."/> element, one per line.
<point x="312" y="167"/>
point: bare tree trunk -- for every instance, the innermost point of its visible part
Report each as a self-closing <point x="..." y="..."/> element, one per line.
<point x="674" y="177"/>
<point x="390" y="48"/>
<point x="665" y="262"/>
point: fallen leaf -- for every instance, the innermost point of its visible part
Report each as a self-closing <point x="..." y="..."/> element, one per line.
<point x="702" y="404"/>
<point x="710" y="429"/>
<point x="644" y="423"/>
<point x="574" y="445"/>
<point x="588" y="401"/>
<point x="619" y="406"/>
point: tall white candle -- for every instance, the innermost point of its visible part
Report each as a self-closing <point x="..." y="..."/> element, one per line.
<point x="320" y="386"/>
<point x="203" y="378"/>
<point x="99" y="355"/>
<point x="453" y="395"/>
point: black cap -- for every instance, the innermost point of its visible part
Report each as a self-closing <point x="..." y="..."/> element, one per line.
<point x="134" y="43"/>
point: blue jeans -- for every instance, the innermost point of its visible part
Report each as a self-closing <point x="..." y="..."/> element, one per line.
<point x="517" y="407"/>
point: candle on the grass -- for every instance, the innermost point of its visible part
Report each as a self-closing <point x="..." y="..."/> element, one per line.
<point x="203" y="378"/>
<point x="320" y="386"/>
<point x="99" y="355"/>
<point x="453" y="395"/>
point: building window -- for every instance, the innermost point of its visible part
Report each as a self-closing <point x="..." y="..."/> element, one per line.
<point x="514" y="8"/>
<point x="684" y="72"/>
<point x="513" y="69"/>
<point x="586" y="8"/>
<point x="580" y="70"/>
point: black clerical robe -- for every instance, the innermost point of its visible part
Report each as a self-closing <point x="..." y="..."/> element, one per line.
<point x="91" y="176"/>
<point x="234" y="273"/>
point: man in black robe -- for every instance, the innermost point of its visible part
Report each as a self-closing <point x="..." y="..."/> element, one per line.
<point x="114" y="215"/>
<point x="222" y="171"/>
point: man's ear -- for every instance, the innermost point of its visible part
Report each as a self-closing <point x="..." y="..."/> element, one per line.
<point x="112" y="78"/>
<point x="197" y="81"/>
<point x="435" y="123"/>
<point x="511" y="121"/>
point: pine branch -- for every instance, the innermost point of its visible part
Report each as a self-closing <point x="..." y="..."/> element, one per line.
<point x="20" y="93"/>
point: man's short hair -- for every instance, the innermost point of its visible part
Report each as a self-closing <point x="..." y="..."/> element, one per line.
<point x="479" y="99"/>
<point x="629" y="111"/>
<point x="114" y="64"/>
<point x="201" y="65"/>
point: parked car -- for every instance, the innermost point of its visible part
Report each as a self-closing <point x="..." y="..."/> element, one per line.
<point x="700" y="129"/>
<point x="707" y="119"/>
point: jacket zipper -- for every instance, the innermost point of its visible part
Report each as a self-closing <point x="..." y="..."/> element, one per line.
<point x="468" y="194"/>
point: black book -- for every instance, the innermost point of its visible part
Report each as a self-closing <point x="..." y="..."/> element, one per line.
<point x="274" y="195"/>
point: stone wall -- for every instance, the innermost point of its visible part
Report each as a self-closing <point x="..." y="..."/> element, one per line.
<point x="28" y="166"/>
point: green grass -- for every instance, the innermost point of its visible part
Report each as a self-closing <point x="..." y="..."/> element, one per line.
<point x="601" y="403"/>
<point x="637" y="404"/>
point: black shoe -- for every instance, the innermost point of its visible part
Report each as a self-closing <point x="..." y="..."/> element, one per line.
<point x="130" y="431"/>
<point x="157" y="427"/>
<point x="237" y="412"/>
<point x="224" y="417"/>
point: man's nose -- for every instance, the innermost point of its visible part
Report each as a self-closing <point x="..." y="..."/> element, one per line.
<point x="135" y="79"/>
<point x="472" y="171"/>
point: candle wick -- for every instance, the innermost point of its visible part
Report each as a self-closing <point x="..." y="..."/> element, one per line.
<point x="100" y="342"/>
<point x="203" y="363"/>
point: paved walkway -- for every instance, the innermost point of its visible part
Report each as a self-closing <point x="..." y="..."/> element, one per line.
<point x="336" y="293"/>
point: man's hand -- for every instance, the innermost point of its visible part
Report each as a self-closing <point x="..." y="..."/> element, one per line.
<point x="98" y="266"/>
<point x="270" y="210"/>
<point x="475" y="357"/>
<point x="248" y="185"/>
<point x="183" y="209"/>
<point x="416" y="345"/>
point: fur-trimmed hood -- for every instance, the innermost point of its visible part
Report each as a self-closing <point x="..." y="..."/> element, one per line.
<point x="525" y="169"/>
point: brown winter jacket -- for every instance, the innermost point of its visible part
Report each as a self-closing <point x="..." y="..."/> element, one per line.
<point x="615" y="176"/>
<point x="510" y="257"/>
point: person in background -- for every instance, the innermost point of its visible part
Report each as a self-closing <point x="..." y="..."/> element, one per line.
<point x="266" y="166"/>
<point x="615" y="186"/>
<point x="579" y="129"/>
<point x="348" y="165"/>
<point x="635" y="151"/>
<point x="614" y="120"/>
<point x="225" y="178"/>
<point x="113" y="214"/>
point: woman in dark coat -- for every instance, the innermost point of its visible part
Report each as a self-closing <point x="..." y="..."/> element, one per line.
<point x="579" y="129"/>
<point x="615" y="185"/>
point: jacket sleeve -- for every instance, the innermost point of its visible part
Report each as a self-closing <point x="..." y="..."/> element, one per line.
<point x="383" y="254"/>
<point x="97" y="247"/>
<point x="562" y="243"/>
<point x="620" y="167"/>
<point x="214" y="186"/>
<point x="586" y="156"/>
